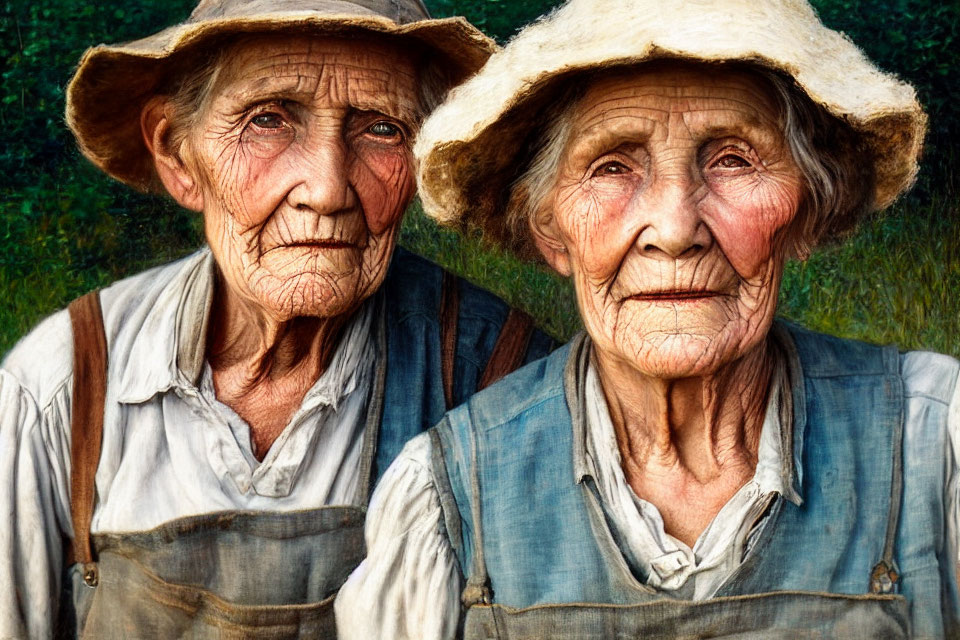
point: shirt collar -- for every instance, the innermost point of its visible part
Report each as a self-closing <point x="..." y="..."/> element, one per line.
<point x="169" y="348"/>
<point x="168" y="343"/>
<point x="778" y="422"/>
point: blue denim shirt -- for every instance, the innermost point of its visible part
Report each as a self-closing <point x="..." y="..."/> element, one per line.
<point x="413" y="396"/>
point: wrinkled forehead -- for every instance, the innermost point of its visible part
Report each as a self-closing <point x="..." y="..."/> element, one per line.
<point x="365" y="74"/>
<point x="707" y="95"/>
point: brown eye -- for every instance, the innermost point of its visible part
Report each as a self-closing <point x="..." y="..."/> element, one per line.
<point x="612" y="168"/>
<point x="731" y="161"/>
<point x="268" y="121"/>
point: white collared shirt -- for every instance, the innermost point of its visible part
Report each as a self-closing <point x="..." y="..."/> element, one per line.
<point x="170" y="448"/>
<point x="665" y="562"/>
<point x="409" y="586"/>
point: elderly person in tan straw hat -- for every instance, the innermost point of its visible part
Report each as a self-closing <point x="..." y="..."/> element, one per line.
<point x="689" y="466"/>
<point x="189" y="452"/>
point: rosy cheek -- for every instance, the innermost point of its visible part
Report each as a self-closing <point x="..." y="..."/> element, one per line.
<point x="747" y="229"/>
<point x="595" y="221"/>
<point x="251" y="181"/>
<point x="384" y="184"/>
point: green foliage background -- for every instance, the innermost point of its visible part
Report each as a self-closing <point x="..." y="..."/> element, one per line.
<point x="65" y="228"/>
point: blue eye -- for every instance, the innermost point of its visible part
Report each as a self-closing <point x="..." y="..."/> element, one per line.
<point x="384" y="129"/>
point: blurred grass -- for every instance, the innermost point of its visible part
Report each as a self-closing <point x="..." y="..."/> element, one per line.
<point x="896" y="282"/>
<point x="538" y="291"/>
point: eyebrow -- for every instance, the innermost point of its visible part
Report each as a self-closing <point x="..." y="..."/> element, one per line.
<point x="743" y="125"/>
<point x="291" y="87"/>
<point x="600" y="132"/>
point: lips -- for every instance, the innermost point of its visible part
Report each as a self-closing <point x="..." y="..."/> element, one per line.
<point x="330" y="244"/>
<point x="675" y="295"/>
<point x="315" y="244"/>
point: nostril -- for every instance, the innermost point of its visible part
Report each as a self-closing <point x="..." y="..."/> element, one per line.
<point x="692" y="250"/>
<point x="689" y="251"/>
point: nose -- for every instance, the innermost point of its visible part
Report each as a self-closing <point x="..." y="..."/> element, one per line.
<point x="671" y="226"/>
<point x="323" y="181"/>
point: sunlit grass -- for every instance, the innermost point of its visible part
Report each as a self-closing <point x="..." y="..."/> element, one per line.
<point x="896" y="281"/>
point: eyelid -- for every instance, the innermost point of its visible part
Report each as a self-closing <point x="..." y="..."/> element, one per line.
<point x="609" y="158"/>
<point x="280" y="107"/>
<point x="716" y="150"/>
<point x="367" y="118"/>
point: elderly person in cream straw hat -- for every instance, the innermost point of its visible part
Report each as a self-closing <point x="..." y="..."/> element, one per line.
<point x="689" y="466"/>
<point x="189" y="452"/>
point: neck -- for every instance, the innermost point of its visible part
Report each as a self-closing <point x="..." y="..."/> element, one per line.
<point x="701" y="427"/>
<point x="256" y="348"/>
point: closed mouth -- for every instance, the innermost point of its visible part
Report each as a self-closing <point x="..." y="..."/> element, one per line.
<point x="317" y="244"/>
<point x="675" y="295"/>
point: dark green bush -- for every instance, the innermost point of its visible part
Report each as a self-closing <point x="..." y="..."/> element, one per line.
<point x="919" y="40"/>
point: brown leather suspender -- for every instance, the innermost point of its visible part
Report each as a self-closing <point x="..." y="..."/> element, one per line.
<point x="86" y="423"/>
<point x="508" y="351"/>
<point x="449" y="311"/>
<point x="510" y="348"/>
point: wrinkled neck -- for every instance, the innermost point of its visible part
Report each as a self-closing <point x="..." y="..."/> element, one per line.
<point x="255" y="346"/>
<point x="699" y="425"/>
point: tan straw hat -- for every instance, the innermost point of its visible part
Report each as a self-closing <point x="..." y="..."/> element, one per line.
<point x="113" y="82"/>
<point x="470" y="148"/>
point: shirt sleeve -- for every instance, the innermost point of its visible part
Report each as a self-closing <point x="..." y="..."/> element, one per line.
<point x="409" y="585"/>
<point x="34" y="476"/>
<point x="953" y="477"/>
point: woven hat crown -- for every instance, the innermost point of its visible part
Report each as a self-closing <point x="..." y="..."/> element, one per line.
<point x="400" y="11"/>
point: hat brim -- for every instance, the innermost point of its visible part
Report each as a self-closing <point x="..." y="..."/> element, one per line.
<point x="114" y="82"/>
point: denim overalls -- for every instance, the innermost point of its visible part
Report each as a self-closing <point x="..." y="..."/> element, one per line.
<point x="275" y="575"/>
<point x="855" y="548"/>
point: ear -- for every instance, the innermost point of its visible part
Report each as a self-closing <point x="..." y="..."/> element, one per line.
<point x="178" y="180"/>
<point x="547" y="237"/>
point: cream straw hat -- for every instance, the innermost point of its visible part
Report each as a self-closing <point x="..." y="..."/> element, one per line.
<point x="113" y="82"/>
<point x="470" y="148"/>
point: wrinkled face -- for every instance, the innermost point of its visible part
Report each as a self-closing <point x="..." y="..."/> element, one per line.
<point x="304" y="159"/>
<point x="673" y="197"/>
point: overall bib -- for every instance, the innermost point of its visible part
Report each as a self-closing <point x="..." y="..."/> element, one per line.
<point x="230" y="574"/>
<point x="838" y="562"/>
<point x="238" y="574"/>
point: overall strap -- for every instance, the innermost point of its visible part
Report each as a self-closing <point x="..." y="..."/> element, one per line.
<point x="884" y="575"/>
<point x="510" y="348"/>
<point x="449" y="310"/>
<point x="508" y="351"/>
<point x="371" y="430"/>
<point x="86" y="423"/>
<point x="477" y="589"/>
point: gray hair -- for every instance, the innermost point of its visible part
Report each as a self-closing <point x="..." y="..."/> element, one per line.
<point x="838" y="180"/>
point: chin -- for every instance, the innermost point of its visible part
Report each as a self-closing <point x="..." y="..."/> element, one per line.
<point x="672" y="356"/>
<point x="673" y="352"/>
<point x="678" y="341"/>
<point x="314" y="296"/>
